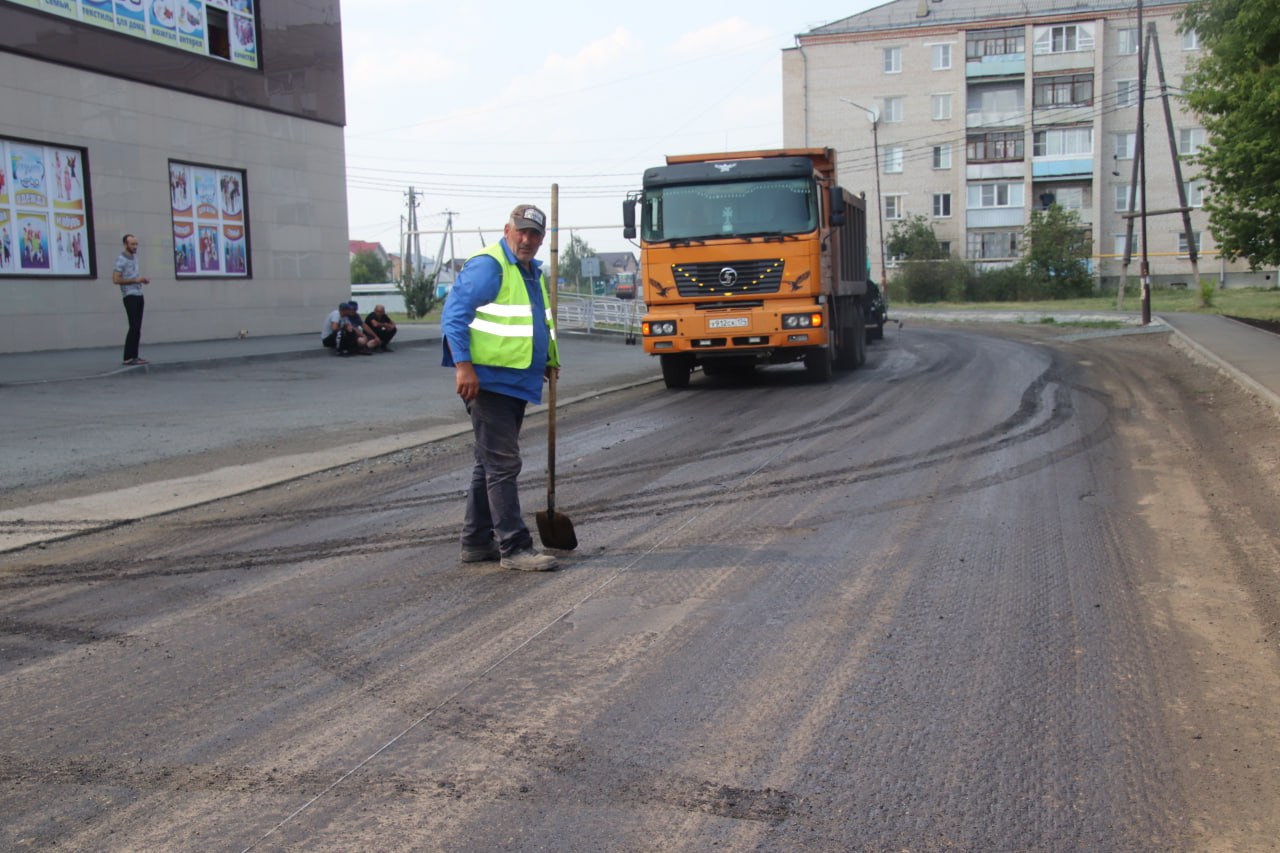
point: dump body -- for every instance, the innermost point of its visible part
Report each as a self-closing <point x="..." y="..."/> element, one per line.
<point x="751" y="257"/>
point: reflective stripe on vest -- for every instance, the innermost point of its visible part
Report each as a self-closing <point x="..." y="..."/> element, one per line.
<point x="502" y="331"/>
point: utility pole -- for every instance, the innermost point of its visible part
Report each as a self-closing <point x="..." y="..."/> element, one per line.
<point x="874" y="117"/>
<point x="409" y="261"/>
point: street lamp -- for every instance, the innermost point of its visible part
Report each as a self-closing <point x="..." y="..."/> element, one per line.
<point x="874" y="118"/>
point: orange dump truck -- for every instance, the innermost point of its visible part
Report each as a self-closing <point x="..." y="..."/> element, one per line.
<point x="750" y="258"/>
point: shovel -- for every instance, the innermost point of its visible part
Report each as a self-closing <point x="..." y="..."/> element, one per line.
<point x="554" y="528"/>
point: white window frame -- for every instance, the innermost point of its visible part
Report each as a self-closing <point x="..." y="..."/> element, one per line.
<point x="1194" y="191"/>
<point x="941" y="106"/>
<point x="895" y="207"/>
<point x="892" y="63"/>
<point x="1064" y="38"/>
<point x="1062" y="142"/>
<point x="1190" y="140"/>
<point x="942" y="205"/>
<point x="940" y="56"/>
<point x="1126" y="145"/>
<point x="1127" y="93"/>
<point x="1069" y="198"/>
<point x="891" y="110"/>
<point x="1120" y="243"/>
<point x="1191" y="40"/>
<point x="1127" y="41"/>
<point x="1182" y="242"/>
<point x="1121" y="198"/>
<point x="891" y="159"/>
<point x="942" y="157"/>
<point x="996" y="194"/>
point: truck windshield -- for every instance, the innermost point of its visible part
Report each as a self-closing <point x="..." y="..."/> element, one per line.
<point x="729" y="209"/>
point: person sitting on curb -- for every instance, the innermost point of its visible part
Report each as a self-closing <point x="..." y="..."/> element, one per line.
<point x="382" y="326"/>
<point x="329" y="331"/>
<point x="365" y="342"/>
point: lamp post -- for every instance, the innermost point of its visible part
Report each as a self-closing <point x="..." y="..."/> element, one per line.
<point x="874" y="118"/>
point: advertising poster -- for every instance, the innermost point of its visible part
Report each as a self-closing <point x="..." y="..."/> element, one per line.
<point x="68" y="180"/>
<point x="65" y="8"/>
<point x="191" y="26"/>
<point x="180" y="190"/>
<point x="7" y="259"/>
<point x="163" y="18"/>
<point x="34" y="4"/>
<point x="71" y="239"/>
<point x="184" y="248"/>
<point x="244" y="46"/>
<point x="233" y="250"/>
<point x="206" y="188"/>
<point x="131" y="17"/>
<point x="100" y="12"/>
<point x="209" y="248"/>
<point x="4" y="173"/>
<point x="232" y="197"/>
<point x="26" y="170"/>
<point x="33" y="241"/>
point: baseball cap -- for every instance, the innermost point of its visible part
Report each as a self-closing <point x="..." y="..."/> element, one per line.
<point x="526" y="216"/>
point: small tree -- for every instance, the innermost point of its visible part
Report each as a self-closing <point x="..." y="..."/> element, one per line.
<point x="927" y="273"/>
<point x="1056" y="255"/>
<point x="419" y="291"/>
<point x="368" y="268"/>
<point x="569" y="266"/>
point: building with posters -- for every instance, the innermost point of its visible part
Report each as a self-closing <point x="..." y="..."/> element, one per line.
<point x="210" y="129"/>
<point x="971" y="113"/>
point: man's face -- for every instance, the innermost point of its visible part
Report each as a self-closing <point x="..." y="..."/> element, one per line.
<point x="524" y="242"/>
<point x="379" y="310"/>
<point x="131" y="245"/>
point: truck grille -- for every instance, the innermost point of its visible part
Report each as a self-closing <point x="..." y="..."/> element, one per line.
<point x="728" y="279"/>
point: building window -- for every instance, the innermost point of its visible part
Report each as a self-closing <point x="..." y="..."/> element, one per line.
<point x="1003" y="194"/>
<point x="1189" y="140"/>
<point x="1127" y="41"/>
<point x="995" y="147"/>
<point x="1126" y="93"/>
<point x="941" y="106"/>
<point x="1067" y="198"/>
<point x="892" y="109"/>
<point x="1007" y="41"/>
<point x="893" y="60"/>
<point x="209" y="206"/>
<point x="1126" y="145"/>
<point x="941" y="205"/>
<point x="893" y="207"/>
<point x="892" y="159"/>
<point x="1068" y="90"/>
<point x="1122" y="243"/>
<point x="1065" y="38"/>
<point x="942" y="156"/>
<point x="1194" y="191"/>
<point x="940" y="56"/>
<point x="1122" y="197"/>
<point x="944" y="247"/>
<point x="1191" y="40"/>
<point x="45" y="213"/>
<point x="995" y="100"/>
<point x="1063" y="142"/>
<point x="992" y="245"/>
<point x="1182" y="242"/>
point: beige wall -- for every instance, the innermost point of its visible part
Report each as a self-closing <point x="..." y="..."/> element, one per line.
<point x="296" y="198"/>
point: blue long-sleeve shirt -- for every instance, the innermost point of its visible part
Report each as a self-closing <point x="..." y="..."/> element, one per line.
<point x="478" y="284"/>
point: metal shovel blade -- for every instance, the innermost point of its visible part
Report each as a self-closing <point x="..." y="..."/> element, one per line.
<point x="556" y="530"/>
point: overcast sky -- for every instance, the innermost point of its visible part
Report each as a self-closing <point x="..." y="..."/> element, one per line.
<point x="485" y="105"/>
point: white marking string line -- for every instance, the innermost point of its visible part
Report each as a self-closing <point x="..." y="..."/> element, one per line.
<point x="592" y="593"/>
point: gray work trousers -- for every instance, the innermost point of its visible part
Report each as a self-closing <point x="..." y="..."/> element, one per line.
<point x="493" y="502"/>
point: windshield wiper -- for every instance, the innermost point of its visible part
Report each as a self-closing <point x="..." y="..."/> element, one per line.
<point x="769" y="236"/>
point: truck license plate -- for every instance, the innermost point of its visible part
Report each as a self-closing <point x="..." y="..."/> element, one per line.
<point x="728" y="322"/>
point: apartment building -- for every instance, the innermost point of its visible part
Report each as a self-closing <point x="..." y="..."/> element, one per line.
<point x="210" y="129"/>
<point x="974" y="112"/>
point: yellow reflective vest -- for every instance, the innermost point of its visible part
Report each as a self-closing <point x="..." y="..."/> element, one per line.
<point x="502" y="331"/>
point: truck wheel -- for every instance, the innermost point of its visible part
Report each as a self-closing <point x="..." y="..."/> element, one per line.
<point x="676" y="370"/>
<point x="848" y="353"/>
<point x="818" y="363"/>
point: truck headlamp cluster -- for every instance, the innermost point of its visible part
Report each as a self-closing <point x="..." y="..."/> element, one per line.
<point x="658" y="328"/>
<point x="812" y="320"/>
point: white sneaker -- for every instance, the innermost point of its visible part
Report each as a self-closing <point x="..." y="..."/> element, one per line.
<point x="529" y="560"/>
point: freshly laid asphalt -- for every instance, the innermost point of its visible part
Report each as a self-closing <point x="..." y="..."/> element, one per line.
<point x="1249" y="356"/>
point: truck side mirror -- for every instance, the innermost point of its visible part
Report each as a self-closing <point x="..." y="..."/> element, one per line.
<point x="629" y="219"/>
<point x="835" y="207"/>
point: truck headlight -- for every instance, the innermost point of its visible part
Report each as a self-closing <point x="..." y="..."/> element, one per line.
<point x="657" y="328"/>
<point x="812" y="320"/>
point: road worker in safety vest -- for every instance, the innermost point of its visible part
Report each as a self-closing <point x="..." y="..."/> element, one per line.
<point x="500" y="338"/>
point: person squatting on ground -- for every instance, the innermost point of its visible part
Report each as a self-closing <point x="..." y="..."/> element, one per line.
<point x="382" y="326"/>
<point x="344" y="334"/>
<point x="125" y="274"/>
<point x="499" y="336"/>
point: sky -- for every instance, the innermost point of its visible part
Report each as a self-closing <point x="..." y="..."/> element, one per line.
<point x="483" y="106"/>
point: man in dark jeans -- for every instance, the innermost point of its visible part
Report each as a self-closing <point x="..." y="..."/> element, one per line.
<point x="381" y="325"/>
<point x="125" y="274"/>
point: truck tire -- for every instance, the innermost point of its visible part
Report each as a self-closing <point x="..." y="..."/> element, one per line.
<point x="676" y="370"/>
<point x="851" y="353"/>
<point x="819" y="364"/>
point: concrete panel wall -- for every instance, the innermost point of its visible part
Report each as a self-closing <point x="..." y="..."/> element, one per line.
<point x="295" y="195"/>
